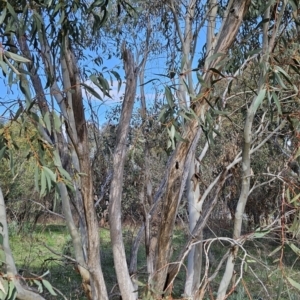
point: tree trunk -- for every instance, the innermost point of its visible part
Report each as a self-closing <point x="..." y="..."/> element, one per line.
<point x="60" y="160"/>
<point x="179" y="161"/>
<point x="268" y="44"/>
<point x="195" y="209"/>
<point x="12" y="274"/>
<point x="98" y="287"/>
<point x="116" y="188"/>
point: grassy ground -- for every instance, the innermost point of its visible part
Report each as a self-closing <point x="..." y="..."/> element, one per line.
<point x="262" y="279"/>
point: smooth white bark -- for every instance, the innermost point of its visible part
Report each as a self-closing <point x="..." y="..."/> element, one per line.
<point x="126" y="285"/>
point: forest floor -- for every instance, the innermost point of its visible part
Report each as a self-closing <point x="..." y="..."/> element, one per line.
<point x="46" y="248"/>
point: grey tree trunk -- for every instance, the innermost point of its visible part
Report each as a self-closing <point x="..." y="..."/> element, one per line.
<point x="195" y="205"/>
<point x="22" y="292"/>
<point x="80" y="142"/>
<point x="181" y="157"/>
<point x="268" y="44"/>
<point x="125" y="283"/>
<point x="86" y="246"/>
<point x="195" y="208"/>
<point x="42" y="103"/>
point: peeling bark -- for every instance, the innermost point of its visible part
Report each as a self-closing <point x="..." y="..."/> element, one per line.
<point x="43" y="105"/>
<point x="98" y="287"/>
<point x="176" y="179"/>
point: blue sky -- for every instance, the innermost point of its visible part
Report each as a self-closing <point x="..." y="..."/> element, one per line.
<point x="10" y="96"/>
<point x="155" y="65"/>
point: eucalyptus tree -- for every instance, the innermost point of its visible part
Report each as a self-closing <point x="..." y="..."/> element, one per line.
<point x="49" y="39"/>
<point x="271" y="32"/>
<point x="44" y="39"/>
<point x="237" y="66"/>
<point x="181" y="159"/>
<point x="193" y="15"/>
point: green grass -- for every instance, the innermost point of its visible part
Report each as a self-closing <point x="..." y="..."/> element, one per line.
<point x="34" y="259"/>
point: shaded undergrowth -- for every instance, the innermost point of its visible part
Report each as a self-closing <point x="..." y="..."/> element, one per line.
<point x="47" y="248"/>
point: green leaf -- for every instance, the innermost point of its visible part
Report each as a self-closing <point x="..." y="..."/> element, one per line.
<point x="275" y="98"/>
<point x="91" y="91"/>
<point x="294" y="199"/>
<point x="162" y="114"/>
<point x="57" y="7"/>
<point x="293" y="283"/>
<point x="201" y="80"/>
<point x="3" y="15"/>
<point x="64" y="173"/>
<point x="11" y="66"/>
<point x="279" y="80"/>
<point x="56" y="159"/>
<point x="288" y="195"/>
<point x="12" y="291"/>
<point x="16" y="57"/>
<point x="250" y="53"/>
<point x="178" y="137"/>
<point x="2" y="151"/>
<point x="3" y="288"/>
<point x="217" y="71"/>
<point x="261" y="233"/>
<point x="213" y="57"/>
<point x="220" y="112"/>
<point x="3" y="67"/>
<point x="49" y="287"/>
<point x="11" y="11"/>
<point x="43" y="183"/>
<point x="184" y="115"/>
<point x="294" y="247"/>
<point x="50" y="173"/>
<point x="19" y="111"/>
<point x="47" y="121"/>
<point x="117" y="76"/>
<point x="39" y="285"/>
<point x="154" y="79"/>
<point x="285" y="75"/>
<point x="25" y="90"/>
<point x="45" y="274"/>
<point x="259" y="98"/>
<point x="164" y="75"/>
<point x="169" y="144"/>
<point x="104" y="86"/>
<point x="169" y="97"/>
<point x="275" y="251"/>
<point x="48" y="180"/>
<point x="57" y="122"/>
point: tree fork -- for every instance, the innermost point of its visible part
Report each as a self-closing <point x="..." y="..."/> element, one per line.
<point x="175" y="180"/>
